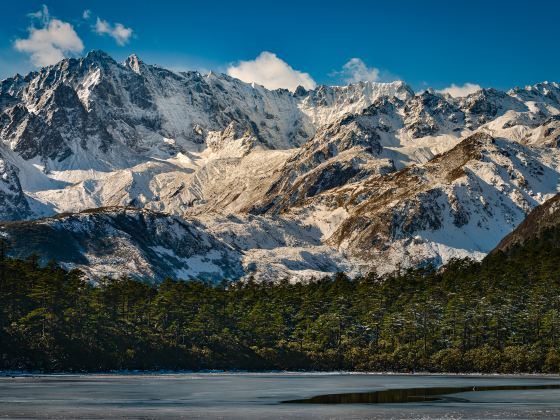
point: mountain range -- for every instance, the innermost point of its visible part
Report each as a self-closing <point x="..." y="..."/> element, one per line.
<point x="129" y="168"/>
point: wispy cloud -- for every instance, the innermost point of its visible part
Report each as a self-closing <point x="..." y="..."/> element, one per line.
<point x="355" y="70"/>
<point x="271" y="72"/>
<point x="117" y="31"/>
<point x="459" y="91"/>
<point x="50" y="42"/>
<point x="42" y="14"/>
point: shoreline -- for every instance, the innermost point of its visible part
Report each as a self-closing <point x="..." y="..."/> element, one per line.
<point x="125" y="373"/>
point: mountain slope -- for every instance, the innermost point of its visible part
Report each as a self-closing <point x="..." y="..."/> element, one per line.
<point x="543" y="223"/>
<point x="461" y="203"/>
<point x="113" y="241"/>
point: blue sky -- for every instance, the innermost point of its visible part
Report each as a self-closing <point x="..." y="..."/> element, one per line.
<point x="425" y="43"/>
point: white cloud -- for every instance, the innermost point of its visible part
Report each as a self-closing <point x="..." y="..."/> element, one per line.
<point x="86" y="14"/>
<point x="355" y="70"/>
<point x="271" y="72"/>
<point x="50" y="43"/>
<point x="118" y="31"/>
<point x="42" y="15"/>
<point x="459" y="91"/>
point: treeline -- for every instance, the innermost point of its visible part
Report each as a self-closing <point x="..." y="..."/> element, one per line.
<point x="501" y="315"/>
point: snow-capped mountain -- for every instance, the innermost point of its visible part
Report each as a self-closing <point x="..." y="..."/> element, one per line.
<point x="369" y="176"/>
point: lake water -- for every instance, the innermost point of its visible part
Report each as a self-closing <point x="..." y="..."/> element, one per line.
<point x="249" y="395"/>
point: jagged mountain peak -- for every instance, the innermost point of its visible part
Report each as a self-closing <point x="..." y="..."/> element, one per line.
<point x="99" y="55"/>
<point x="396" y="88"/>
<point x="134" y="63"/>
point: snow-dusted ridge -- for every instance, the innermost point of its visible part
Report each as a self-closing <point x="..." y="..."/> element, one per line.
<point x="298" y="185"/>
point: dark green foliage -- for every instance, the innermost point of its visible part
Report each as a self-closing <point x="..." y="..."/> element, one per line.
<point x="501" y="315"/>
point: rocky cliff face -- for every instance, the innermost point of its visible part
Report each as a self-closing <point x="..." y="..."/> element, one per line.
<point x="363" y="177"/>
<point x="13" y="202"/>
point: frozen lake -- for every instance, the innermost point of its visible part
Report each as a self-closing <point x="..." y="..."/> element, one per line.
<point x="253" y="395"/>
